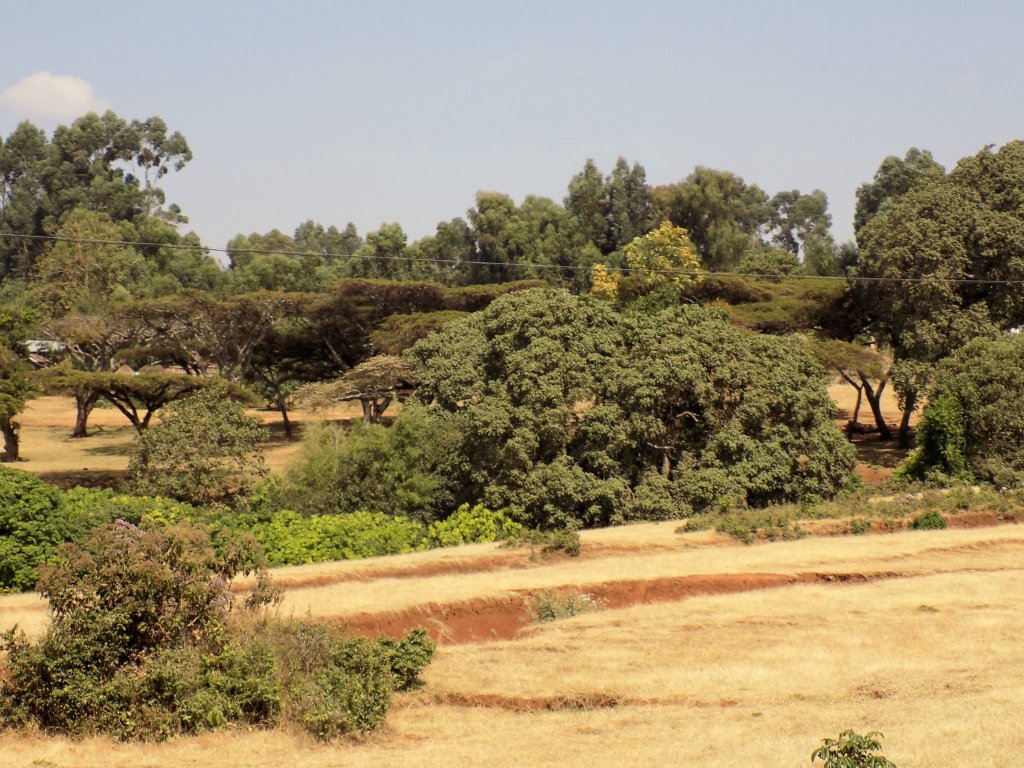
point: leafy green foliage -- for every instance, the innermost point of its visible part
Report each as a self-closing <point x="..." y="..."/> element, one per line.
<point x="563" y="540"/>
<point x="292" y="539"/>
<point x="929" y="521"/>
<point x="32" y="525"/>
<point x="467" y="525"/>
<point x="371" y="468"/>
<point x="959" y="235"/>
<point x="145" y="644"/>
<point x="204" y="449"/>
<point x="568" y="414"/>
<point x="851" y="750"/>
<point x="972" y="425"/>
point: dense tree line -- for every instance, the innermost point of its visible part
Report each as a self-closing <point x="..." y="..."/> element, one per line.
<point x="93" y="260"/>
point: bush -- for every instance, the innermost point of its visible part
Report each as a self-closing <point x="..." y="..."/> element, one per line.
<point x="33" y="523"/>
<point x="550" y="606"/>
<point x="929" y="521"/>
<point x="145" y="644"/>
<point x="204" y="449"/>
<point x="88" y="508"/>
<point x="471" y="525"/>
<point x="851" y="750"/>
<point x="565" y="540"/>
<point x="291" y="539"/>
<point x="972" y="426"/>
<point x="770" y="524"/>
<point x="371" y="468"/>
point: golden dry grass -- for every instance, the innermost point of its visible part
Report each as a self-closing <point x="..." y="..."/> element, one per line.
<point x="928" y="654"/>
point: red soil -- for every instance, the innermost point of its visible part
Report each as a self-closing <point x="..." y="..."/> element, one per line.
<point x="503" y="618"/>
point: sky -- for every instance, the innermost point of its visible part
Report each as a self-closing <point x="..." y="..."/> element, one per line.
<point x="374" y="112"/>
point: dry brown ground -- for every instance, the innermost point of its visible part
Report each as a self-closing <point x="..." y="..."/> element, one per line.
<point x="709" y="653"/>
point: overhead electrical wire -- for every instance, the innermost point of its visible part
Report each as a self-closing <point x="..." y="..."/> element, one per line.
<point x="522" y="265"/>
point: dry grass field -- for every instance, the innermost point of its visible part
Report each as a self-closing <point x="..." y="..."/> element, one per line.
<point x="706" y="653"/>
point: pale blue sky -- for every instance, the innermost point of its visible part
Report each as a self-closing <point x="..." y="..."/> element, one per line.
<point x="401" y="111"/>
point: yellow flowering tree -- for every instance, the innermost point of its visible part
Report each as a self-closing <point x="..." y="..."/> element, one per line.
<point x="664" y="255"/>
<point x="604" y="282"/>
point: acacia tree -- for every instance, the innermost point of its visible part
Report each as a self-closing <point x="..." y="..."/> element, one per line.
<point x="203" y="333"/>
<point x="96" y="344"/>
<point x="137" y="396"/>
<point x="374" y="383"/>
<point x="864" y="369"/>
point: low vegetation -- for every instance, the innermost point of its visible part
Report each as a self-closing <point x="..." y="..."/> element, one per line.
<point x="146" y="642"/>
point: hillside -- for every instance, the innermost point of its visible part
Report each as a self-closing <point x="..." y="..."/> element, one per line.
<point x="703" y="652"/>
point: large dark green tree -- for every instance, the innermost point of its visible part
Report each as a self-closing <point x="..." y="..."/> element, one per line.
<point x="102" y="163"/>
<point x="944" y="264"/>
<point x="572" y="414"/>
<point x="722" y="213"/>
<point x="973" y="426"/>
<point x="893" y="179"/>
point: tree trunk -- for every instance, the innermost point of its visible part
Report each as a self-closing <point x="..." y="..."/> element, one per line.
<point x="666" y="464"/>
<point x="367" y="412"/>
<point x="379" y="408"/>
<point x="10" y="431"/>
<point x="851" y="425"/>
<point x="282" y="406"/>
<point x="875" y="401"/>
<point x="84" y="403"/>
<point x="908" y="408"/>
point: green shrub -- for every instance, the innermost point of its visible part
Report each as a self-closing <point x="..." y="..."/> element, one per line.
<point x="471" y="525"/>
<point x="204" y="449"/>
<point x="291" y="539"/>
<point x="144" y="644"/>
<point x="550" y="606"/>
<point x="751" y="525"/>
<point x="972" y="426"/>
<point x="407" y="657"/>
<point x="851" y="750"/>
<point x="33" y="523"/>
<point x="389" y="470"/>
<point x="565" y="540"/>
<point x="929" y="521"/>
<point x="941" y="443"/>
<point x="91" y="507"/>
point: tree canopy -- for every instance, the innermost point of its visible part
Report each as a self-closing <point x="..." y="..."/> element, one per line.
<point x="570" y="413"/>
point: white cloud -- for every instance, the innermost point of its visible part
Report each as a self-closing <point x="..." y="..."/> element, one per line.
<point x="46" y="95"/>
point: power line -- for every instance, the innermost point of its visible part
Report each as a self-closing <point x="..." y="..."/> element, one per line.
<point x="515" y="265"/>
